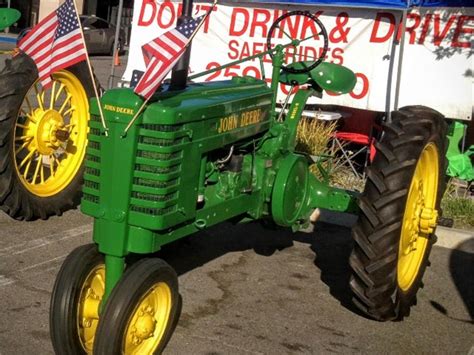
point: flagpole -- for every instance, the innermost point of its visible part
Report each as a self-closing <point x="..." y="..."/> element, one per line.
<point x="94" y="84"/>
<point x="186" y="46"/>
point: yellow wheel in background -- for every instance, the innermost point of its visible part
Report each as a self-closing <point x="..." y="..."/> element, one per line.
<point x="142" y="311"/>
<point x="398" y="214"/>
<point x="43" y="138"/>
<point x="50" y="135"/>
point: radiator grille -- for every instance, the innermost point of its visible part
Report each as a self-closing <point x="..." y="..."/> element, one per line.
<point x="92" y="163"/>
<point x="157" y="169"/>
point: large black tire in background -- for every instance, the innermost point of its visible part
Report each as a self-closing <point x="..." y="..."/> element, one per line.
<point x="79" y="286"/>
<point x="392" y="209"/>
<point x="17" y="79"/>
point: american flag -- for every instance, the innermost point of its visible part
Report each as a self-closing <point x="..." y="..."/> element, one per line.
<point x="56" y="42"/>
<point x="162" y="53"/>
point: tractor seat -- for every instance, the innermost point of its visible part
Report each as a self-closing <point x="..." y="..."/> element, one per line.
<point x="328" y="76"/>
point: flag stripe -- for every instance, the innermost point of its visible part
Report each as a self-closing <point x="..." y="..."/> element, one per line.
<point x="56" y="42"/>
<point x="46" y="36"/>
<point x="65" y="60"/>
<point x="38" y="30"/>
<point x="162" y="54"/>
<point x="39" y="55"/>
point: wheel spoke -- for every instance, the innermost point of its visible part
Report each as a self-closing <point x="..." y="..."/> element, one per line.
<point x="68" y="99"/>
<point x="27" y="168"/>
<point x="312" y="36"/>
<point x="24" y="138"/>
<point x="286" y="34"/>
<point x="39" y="97"/>
<point x="27" y="158"/>
<point x="52" y="160"/>
<point x="42" y="171"/>
<point x="38" y="166"/>
<point x="52" y="101"/>
<point x="28" y="102"/>
<point x="23" y="146"/>
<point x="28" y="116"/>
<point x="69" y="111"/>
<point x="60" y="90"/>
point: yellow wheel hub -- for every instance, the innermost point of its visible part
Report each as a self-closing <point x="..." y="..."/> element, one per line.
<point x="420" y="218"/>
<point x="88" y="309"/>
<point x="148" y="322"/>
<point x="50" y="135"/>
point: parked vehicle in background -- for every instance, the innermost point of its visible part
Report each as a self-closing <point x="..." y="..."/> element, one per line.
<point x="99" y="35"/>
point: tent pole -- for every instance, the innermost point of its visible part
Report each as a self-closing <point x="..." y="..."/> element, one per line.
<point x="116" y="43"/>
<point x="400" y="59"/>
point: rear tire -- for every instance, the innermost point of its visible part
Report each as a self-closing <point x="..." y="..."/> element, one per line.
<point x="393" y="238"/>
<point x="18" y="198"/>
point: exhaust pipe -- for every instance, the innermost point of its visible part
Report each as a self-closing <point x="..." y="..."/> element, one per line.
<point x="179" y="75"/>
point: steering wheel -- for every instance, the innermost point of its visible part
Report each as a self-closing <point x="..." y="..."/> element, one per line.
<point x="295" y="42"/>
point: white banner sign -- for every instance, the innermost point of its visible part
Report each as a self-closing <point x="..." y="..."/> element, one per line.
<point x="436" y="69"/>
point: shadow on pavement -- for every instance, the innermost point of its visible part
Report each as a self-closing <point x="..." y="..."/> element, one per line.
<point x="461" y="266"/>
<point x="331" y="244"/>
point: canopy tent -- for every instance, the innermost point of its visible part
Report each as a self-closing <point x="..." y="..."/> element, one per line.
<point x="377" y="4"/>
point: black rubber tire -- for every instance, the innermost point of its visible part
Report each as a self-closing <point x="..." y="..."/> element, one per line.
<point x="16" y="79"/>
<point x="137" y="280"/>
<point x="65" y="298"/>
<point x="377" y="232"/>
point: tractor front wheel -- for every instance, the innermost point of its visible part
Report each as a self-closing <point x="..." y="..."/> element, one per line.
<point x="77" y="294"/>
<point x="399" y="209"/>
<point x="141" y="313"/>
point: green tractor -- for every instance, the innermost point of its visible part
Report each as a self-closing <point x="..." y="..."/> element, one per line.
<point x="204" y="153"/>
<point x="43" y="136"/>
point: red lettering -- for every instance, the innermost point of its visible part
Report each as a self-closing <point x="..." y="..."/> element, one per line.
<point x="141" y="19"/>
<point x="234" y="51"/>
<point x="229" y="73"/>
<point x="166" y="7"/>
<point x="213" y="65"/>
<point x="375" y="36"/>
<point x="410" y="29"/>
<point x="439" y="37"/>
<point x="424" y="30"/>
<point x="255" y="72"/>
<point x="460" y="30"/>
<point x="309" y="24"/>
<point x="262" y="23"/>
<point x="337" y="55"/>
<point x="365" y="87"/>
<point x="310" y="54"/>
<point x="233" y="31"/>
<point x="245" y="51"/>
<point x="291" y="27"/>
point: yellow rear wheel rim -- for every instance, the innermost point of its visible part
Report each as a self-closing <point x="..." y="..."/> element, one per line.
<point x="90" y="297"/>
<point x="147" y="324"/>
<point x="50" y="135"/>
<point x="420" y="217"/>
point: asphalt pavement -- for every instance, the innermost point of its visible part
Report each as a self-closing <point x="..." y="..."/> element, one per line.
<point x="247" y="289"/>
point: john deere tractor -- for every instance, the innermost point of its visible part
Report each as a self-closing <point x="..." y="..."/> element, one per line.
<point x="43" y="138"/>
<point x="204" y="153"/>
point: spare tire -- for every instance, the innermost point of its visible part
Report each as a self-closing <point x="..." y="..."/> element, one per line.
<point x="43" y="138"/>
